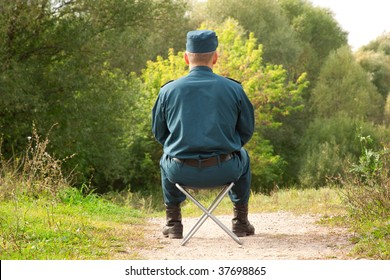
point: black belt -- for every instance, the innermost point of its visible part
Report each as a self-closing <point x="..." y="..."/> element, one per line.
<point x="207" y="162"/>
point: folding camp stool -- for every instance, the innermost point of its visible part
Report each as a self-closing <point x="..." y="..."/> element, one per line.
<point x="208" y="213"/>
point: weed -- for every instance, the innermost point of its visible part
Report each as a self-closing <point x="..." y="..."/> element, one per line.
<point x="367" y="195"/>
<point x="35" y="173"/>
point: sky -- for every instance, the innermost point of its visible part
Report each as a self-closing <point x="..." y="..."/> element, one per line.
<point x="364" y="20"/>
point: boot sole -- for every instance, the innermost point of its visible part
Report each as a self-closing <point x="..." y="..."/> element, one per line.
<point x="243" y="234"/>
<point x="173" y="236"/>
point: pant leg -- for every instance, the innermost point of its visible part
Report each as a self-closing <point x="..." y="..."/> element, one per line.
<point x="240" y="192"/>
<point x="171" y="194"/>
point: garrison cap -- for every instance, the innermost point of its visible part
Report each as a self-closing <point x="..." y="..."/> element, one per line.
<point x="201" y="41"/>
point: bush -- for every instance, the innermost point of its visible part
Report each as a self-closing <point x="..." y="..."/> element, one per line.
<point x="367" y="185"/>
<point x="367" y="196"/>
<point x="328" y="146"/>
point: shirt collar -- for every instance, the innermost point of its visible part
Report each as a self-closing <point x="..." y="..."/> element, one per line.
<point x="201" y="68"/>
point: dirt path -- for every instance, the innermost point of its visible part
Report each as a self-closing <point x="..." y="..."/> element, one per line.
<point x="279" y="236"/>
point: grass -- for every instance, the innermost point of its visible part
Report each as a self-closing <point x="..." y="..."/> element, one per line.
<point x="73" y="227"/>
<point x="42" y="217"/>
<point x="372" y="240"/>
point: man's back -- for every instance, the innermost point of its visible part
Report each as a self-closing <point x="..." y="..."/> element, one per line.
<point x="205" y="115"/>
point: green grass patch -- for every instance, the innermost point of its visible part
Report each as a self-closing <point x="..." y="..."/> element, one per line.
<point x="71" y="227"/>
<point x="372" y="239"/>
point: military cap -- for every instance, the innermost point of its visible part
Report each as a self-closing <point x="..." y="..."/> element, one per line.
<point x="201" y="41"/>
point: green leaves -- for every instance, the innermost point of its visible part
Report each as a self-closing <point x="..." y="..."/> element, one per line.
<point x="69" y="62"/>
<point x="344" y="88"/>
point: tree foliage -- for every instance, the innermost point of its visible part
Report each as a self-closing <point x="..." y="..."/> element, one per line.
<point x="329" y="146"/>
<point x="318" y="32"/>
<point x="375" y="59"/>
<point x="293" y="33"/>
<point x="343" y="87"/>
<point x="267" y="21"/>
<point x="67" y="62"/>
<point x="345" y="104"/>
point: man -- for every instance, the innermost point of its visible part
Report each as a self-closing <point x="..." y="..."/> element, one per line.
<point x="203" y="120"/>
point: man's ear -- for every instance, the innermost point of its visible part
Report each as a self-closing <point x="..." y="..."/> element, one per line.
<point x="186" y="58"/>
<point x="215" y="58"/>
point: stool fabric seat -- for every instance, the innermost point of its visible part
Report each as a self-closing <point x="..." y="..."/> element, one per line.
<point x="207" y="212"/>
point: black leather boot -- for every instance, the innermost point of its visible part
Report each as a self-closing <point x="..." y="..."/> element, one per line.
<point x="241" y="226"/>
<point x="174" y="228"/>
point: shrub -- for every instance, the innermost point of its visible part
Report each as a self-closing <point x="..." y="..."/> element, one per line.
<point x="328" y="146"/>
<point x="367" y="185"/>
<point x="367" y="196"/>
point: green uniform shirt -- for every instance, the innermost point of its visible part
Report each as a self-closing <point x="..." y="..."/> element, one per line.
<point x="202" y="114"/>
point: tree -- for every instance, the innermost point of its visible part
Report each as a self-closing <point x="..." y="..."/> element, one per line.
<point x="318" y="32"/>
<point x="343" y="87"/>
<point x="267" y="21"/>
<point x="375" y="59"/>
<point x="380" y="44"/>
<point x="66" y="62"/>
<point x="345" y="104"/>
<point x="329" y="147"/>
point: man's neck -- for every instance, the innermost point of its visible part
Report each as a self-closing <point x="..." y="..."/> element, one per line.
<point x="210" y="65"/>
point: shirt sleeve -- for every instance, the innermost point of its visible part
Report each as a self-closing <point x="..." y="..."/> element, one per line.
<point x="246" y="120"/>
<point x="159" y="125"/>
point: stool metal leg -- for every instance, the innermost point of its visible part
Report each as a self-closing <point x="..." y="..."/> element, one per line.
<point x="203" y="218"/>
<point x="207" y="213"/>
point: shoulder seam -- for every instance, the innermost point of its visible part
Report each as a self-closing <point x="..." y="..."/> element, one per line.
<point x="167" y="83"/>
<point x="233" y="80"/>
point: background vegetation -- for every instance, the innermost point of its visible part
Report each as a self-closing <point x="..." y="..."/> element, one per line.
<point x="87" y="73"/>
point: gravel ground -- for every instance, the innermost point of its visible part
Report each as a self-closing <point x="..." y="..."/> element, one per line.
<point x="279" y="236"/>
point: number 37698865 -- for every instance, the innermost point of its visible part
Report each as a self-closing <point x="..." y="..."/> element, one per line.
<point x="227" y="270"/>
